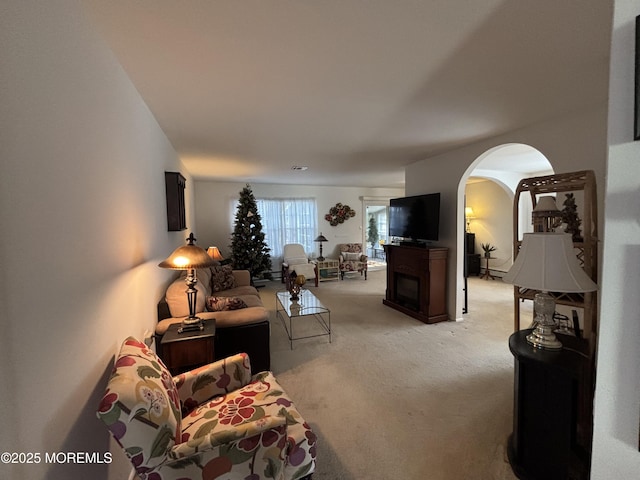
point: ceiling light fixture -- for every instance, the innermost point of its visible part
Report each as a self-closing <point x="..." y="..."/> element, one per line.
<point x="299" y="168"/>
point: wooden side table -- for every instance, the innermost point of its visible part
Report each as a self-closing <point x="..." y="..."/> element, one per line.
<point x="184" y="351"/>
<point x="328" y="269"/>
<point x="487" y="273"/>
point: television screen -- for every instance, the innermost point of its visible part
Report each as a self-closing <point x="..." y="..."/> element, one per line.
<point x="417" y="217"/>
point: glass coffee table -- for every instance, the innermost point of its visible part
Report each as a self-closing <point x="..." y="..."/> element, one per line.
<point x="300" y="312"/>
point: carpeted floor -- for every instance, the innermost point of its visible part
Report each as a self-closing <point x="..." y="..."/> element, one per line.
<point x="393" y="398"/>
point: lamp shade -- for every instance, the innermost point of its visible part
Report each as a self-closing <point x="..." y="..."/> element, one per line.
<point x="215" y="254"/>
<point x="468" y="212"/>
<point x="320" y="238"/>
<point x="547" y="262"/>
<point x="546" y="204"/>
<point x="188" y="256"/>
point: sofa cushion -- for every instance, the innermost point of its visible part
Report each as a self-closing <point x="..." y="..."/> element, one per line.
<point x="204" y="277"/>
<point x="229" y="318"/>
<point x="241" y="291"/>
<point x="263" y="398"/>
<point x="176" y="297"/>
<point x="296" y="260"/>
<point x="220" y="304"/>
<point x="222" y="278"/>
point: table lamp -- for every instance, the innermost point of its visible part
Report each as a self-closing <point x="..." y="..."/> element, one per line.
<point x="469" y="215"/>
<point x="547" y="263"/>
<point x="215" y="254"/>
<point x="545" y="216"/>
<point x="189" y="257"/>
<point x="321" y="238"/>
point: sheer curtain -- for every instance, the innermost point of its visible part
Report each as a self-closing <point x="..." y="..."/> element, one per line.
<point x="288" y="220"/>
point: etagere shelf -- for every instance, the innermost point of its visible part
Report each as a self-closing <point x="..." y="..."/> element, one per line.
<point x="582" y="184"/>
<point x="586" y="250"/>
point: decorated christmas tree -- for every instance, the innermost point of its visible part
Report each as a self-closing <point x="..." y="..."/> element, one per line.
<point x="249" y="251"/>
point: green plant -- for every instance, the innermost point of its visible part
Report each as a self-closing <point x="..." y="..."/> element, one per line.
<point x="488" y="248"/>
<point x="372" y="232"/>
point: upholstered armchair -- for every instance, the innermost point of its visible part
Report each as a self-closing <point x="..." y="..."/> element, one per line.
<point x="295" y="259"/>
<point x="352" y="259"/>
<point x="210" y="423"/>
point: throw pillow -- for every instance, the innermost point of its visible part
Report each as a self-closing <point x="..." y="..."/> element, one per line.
<point x="351" y="257"/>
<point x="222" y="278"/>
<point x="220" y="304"/>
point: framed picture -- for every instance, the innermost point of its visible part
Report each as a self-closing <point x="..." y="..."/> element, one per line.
<point x="636" y="111"/>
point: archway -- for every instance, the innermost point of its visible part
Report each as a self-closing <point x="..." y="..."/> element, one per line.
<point x="504" y="165"/>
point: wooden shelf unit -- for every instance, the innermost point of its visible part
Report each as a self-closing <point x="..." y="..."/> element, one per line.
<point x="587" y="253"/>
<point x="586" y="250"/>
<point x="328" y="269"/>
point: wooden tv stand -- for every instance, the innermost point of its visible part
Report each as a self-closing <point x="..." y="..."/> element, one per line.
<point x="416" y="282"/>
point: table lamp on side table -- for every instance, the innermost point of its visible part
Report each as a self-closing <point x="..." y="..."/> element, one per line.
<point x="547" y="263"/>
<point x="189" y="257"/>
<point x="321" y="238"/>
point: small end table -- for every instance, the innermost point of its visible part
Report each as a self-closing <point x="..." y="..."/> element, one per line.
<point x="328" y="269"/>
<point x="487" y="274"/>
<point x="184" y="351"/>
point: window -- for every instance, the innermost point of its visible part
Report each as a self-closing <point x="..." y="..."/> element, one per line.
<point x="288" y="220"/>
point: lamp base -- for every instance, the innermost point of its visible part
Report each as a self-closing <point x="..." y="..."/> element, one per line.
<point x="543" y="337"/>
<point x="321" y="258"/>
<point x="191" y="324"/>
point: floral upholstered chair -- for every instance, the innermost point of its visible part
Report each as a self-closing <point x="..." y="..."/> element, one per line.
<point x="215" y="422"/>
<point x="352" y="259"/>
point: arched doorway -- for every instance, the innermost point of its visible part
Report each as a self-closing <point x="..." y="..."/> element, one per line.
<point x="504" y="166"/>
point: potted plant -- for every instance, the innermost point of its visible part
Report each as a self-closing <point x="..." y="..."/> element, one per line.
<point x="488" y="248"/>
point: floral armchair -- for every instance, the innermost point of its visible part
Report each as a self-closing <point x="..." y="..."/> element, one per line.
<point x="214" y="422"/>
<point x="352" y="259"/>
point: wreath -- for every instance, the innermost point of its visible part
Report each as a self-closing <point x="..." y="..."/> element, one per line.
<point x="339" y="214"/>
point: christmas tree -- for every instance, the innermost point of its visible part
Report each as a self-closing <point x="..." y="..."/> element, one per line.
<point x="249" y="251"/>
<point x="372" y="232"/>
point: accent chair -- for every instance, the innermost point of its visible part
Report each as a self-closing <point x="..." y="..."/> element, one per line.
<point x="295" y="259"/>
<point x="213" y="422"/>
<point x="352" y="259"/>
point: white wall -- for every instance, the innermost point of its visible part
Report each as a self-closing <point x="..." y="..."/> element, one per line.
<point x="82" y="209"/>
<point x="493" y="224"/>
<point x="215" y="214"/>
<point x="617" y="402"/>
<point x="570" y="143"/>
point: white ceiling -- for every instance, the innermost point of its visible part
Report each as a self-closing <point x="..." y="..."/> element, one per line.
<point x="353" y="89"/>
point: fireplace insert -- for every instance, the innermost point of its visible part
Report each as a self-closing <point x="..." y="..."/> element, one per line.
<point x="407" y="291"/>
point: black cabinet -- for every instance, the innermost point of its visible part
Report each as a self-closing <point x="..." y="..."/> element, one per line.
<point x="469" y="243"/>
<point x="471" y="258"/>
<point x="175" y="184"/>
<point x="472" y="265"/>
<point x="547" y="390"/>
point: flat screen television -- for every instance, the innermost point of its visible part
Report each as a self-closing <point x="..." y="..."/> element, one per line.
<point x="416" y="218"/>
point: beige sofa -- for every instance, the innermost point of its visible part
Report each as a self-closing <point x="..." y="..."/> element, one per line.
<point x="243" y="330"/>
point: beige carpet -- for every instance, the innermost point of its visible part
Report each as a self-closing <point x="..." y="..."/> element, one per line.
<point x="393" y="398"/>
